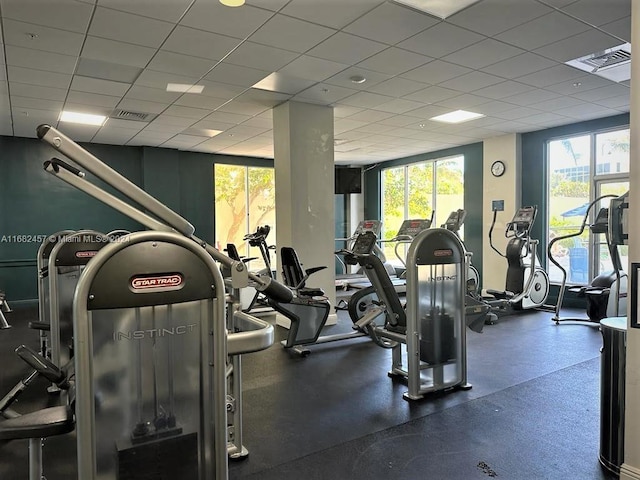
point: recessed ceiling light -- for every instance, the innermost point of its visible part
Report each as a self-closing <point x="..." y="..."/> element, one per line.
<point x="458" y="116"/>
<point x="438" y="8"/>
<point x="184" y="88"/>
<point x="357" y="79"/>
<point x="82" y="118"/>
<point x="232" y="3"/>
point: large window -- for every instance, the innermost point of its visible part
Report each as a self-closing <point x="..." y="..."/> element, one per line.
<point x="244" y="200"/>
<point x="581" y="169"/>
<point x="415" y="191"/>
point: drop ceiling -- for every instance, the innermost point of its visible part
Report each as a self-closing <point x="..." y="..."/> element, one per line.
<point x="501" y="58"/>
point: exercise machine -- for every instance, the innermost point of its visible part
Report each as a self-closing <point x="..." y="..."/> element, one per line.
<point x="4" y="308"/>
<point x="151" y="340"/>
<point x="38" y="425"/>
<point x="349" y="280"/>
<point x="527" y="283"/>
<point x="454" y="223"/>
<point x="432" y="328"/>
<point x="605" y="295"/>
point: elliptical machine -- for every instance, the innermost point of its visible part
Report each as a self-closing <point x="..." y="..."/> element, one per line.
<point x="527" y="284"/>
<point x="605" y="293"/>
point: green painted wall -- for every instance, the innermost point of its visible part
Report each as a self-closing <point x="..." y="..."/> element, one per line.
<point x="472" y="191"/>
<point x="33" y="203"/>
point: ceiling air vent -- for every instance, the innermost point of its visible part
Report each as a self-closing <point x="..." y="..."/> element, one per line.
<point x="129" y="115"/>
<point x="613" y="63"/>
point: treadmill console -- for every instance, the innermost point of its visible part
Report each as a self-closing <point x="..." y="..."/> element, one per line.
<point x="364" y="243"/>
<point x="374" y="226"/>
<point x="455" y="220"/>
<point x="410" y="228"/>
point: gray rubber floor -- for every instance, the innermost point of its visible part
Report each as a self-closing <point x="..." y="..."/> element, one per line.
<point x="533" y="411"/>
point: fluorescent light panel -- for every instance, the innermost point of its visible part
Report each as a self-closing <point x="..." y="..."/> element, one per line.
<point x="184" y="88"/>
<point x="438" y="8"/>
<point x="458" y="116"/>
<point x="232" y="3"/>
<point x="82" y="118"/>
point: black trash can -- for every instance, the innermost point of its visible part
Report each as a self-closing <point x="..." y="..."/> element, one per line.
<point x="612" y="386"/>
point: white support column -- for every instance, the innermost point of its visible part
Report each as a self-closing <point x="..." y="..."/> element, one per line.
<point x="304" y="166"/>
<point x="631" y="467"/>
<point x="506" y="187"/>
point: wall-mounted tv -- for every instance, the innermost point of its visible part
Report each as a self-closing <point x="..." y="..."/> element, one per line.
<point x="348" y="180"/>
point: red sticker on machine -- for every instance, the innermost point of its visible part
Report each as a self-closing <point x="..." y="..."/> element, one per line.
<point x="86" y="253"/>
<point x="169" y="281"/>
<point x="443" y="253"/>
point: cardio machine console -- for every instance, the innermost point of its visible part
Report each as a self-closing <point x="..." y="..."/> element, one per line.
<point x="410" y="228"/>
<point x="364" y="243"/>
<point x="522" y="221"/>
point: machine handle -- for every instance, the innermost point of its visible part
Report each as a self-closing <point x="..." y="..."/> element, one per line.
<point x="274" y="290"/>
<point x="56" y="164"/>
<point x="43" y="366"/>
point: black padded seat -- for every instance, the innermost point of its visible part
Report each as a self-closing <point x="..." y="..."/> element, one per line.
<point x="39" y="424"/>
<point x="295" y="277"/>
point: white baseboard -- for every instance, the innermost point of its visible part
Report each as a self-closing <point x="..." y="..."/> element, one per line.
<point x="628" y="472"/>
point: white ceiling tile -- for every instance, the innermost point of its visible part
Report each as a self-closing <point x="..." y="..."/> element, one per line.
<point x="471" y="82"/>
<point x="432" y="94"/>
<point x="551" y="76"/>
<point x="212" y="125"/>
<point x="36" y="91"/>
<point x="483" y="53"/>
<point x="344" y="78"/>
<point x="149" y="94"/>
<point x="188" y="112"/>
<point x="440" y="40"/>
<point x="159" y="80"/>
<point x="242" y="132"/>
<point x="374" y="25"/>
<point x="465" y="101"/>
<point x="399" y="121"/>
<point x="493" y="107"/>
<point x="35" y="103"/>
<point x="603" y="92"/>
<point x="519" y="65"/>
<point x="133" y="125"/>
<point x="79" y="133"/>
<point x="184" y="141"/>
<point x="343" y="111"/>
<point x="579" y="45"/>
<point x="426" y="112"/>
<point x="397" y="87"/>
<point x="156" y="128"/>
<point x="134" y="29"/>
<point x="371" y="116"/>
<point x="170" y="62"/>
<point x="262" y="97"/>
<point x="25" y="125"/>
<point x="397" y="105"/>
<point x="143" y="106"/>
<point x="531" y="97"/>
<point x="491" y="17"/>
<point x="279" y="82"/>
<point x="39" y="37"/>
<point x="117" y="52"/>
<point x="346" y="124"/>
<point x="264" y="123"/>
<point x="273" y="5"/>
<point x="166" y="119"/>
<point x="88" y="67"/>
<point x="394" y="61"/>
<point x="620" y="28"/>
<point x="324" y="94"/>
<point x="200" y="101"/>
<point x="597" y="12"/>
<point x="544" y="118"/>
<point x="215" y="17"/>
<point x="317" y="12"/>
<point x="113" y="136"/>
<point x="169" y="11"/>
<point x="92" y="99"/>
<point x="346" y="48"/>
<point x="236" y="74"/>
<point x="38" y="77"/>
<point x="259" y="56"/>
<point x="620" y="102"/>
<point x="197" y="43"/>
<point x="95" y="85"/>
<point x="83" y="108"/>
<point x="225" y="117"/>
<point x="579" y="84"/>
<point x="542" y="31"/>
<point x="39" y="60"/>
<point x="220" y="90"/>
<point x="366" y="100"/>
<point x="289" y="33"/>
<point x="243" y="108"/>
<point x="313" y="68"/>
<point x="503" y="89"/>
<point x="436" y="72"/>
<point x="586" y="111"/>
<point x="551" y="105"/>
<point x="64" y="14"/>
